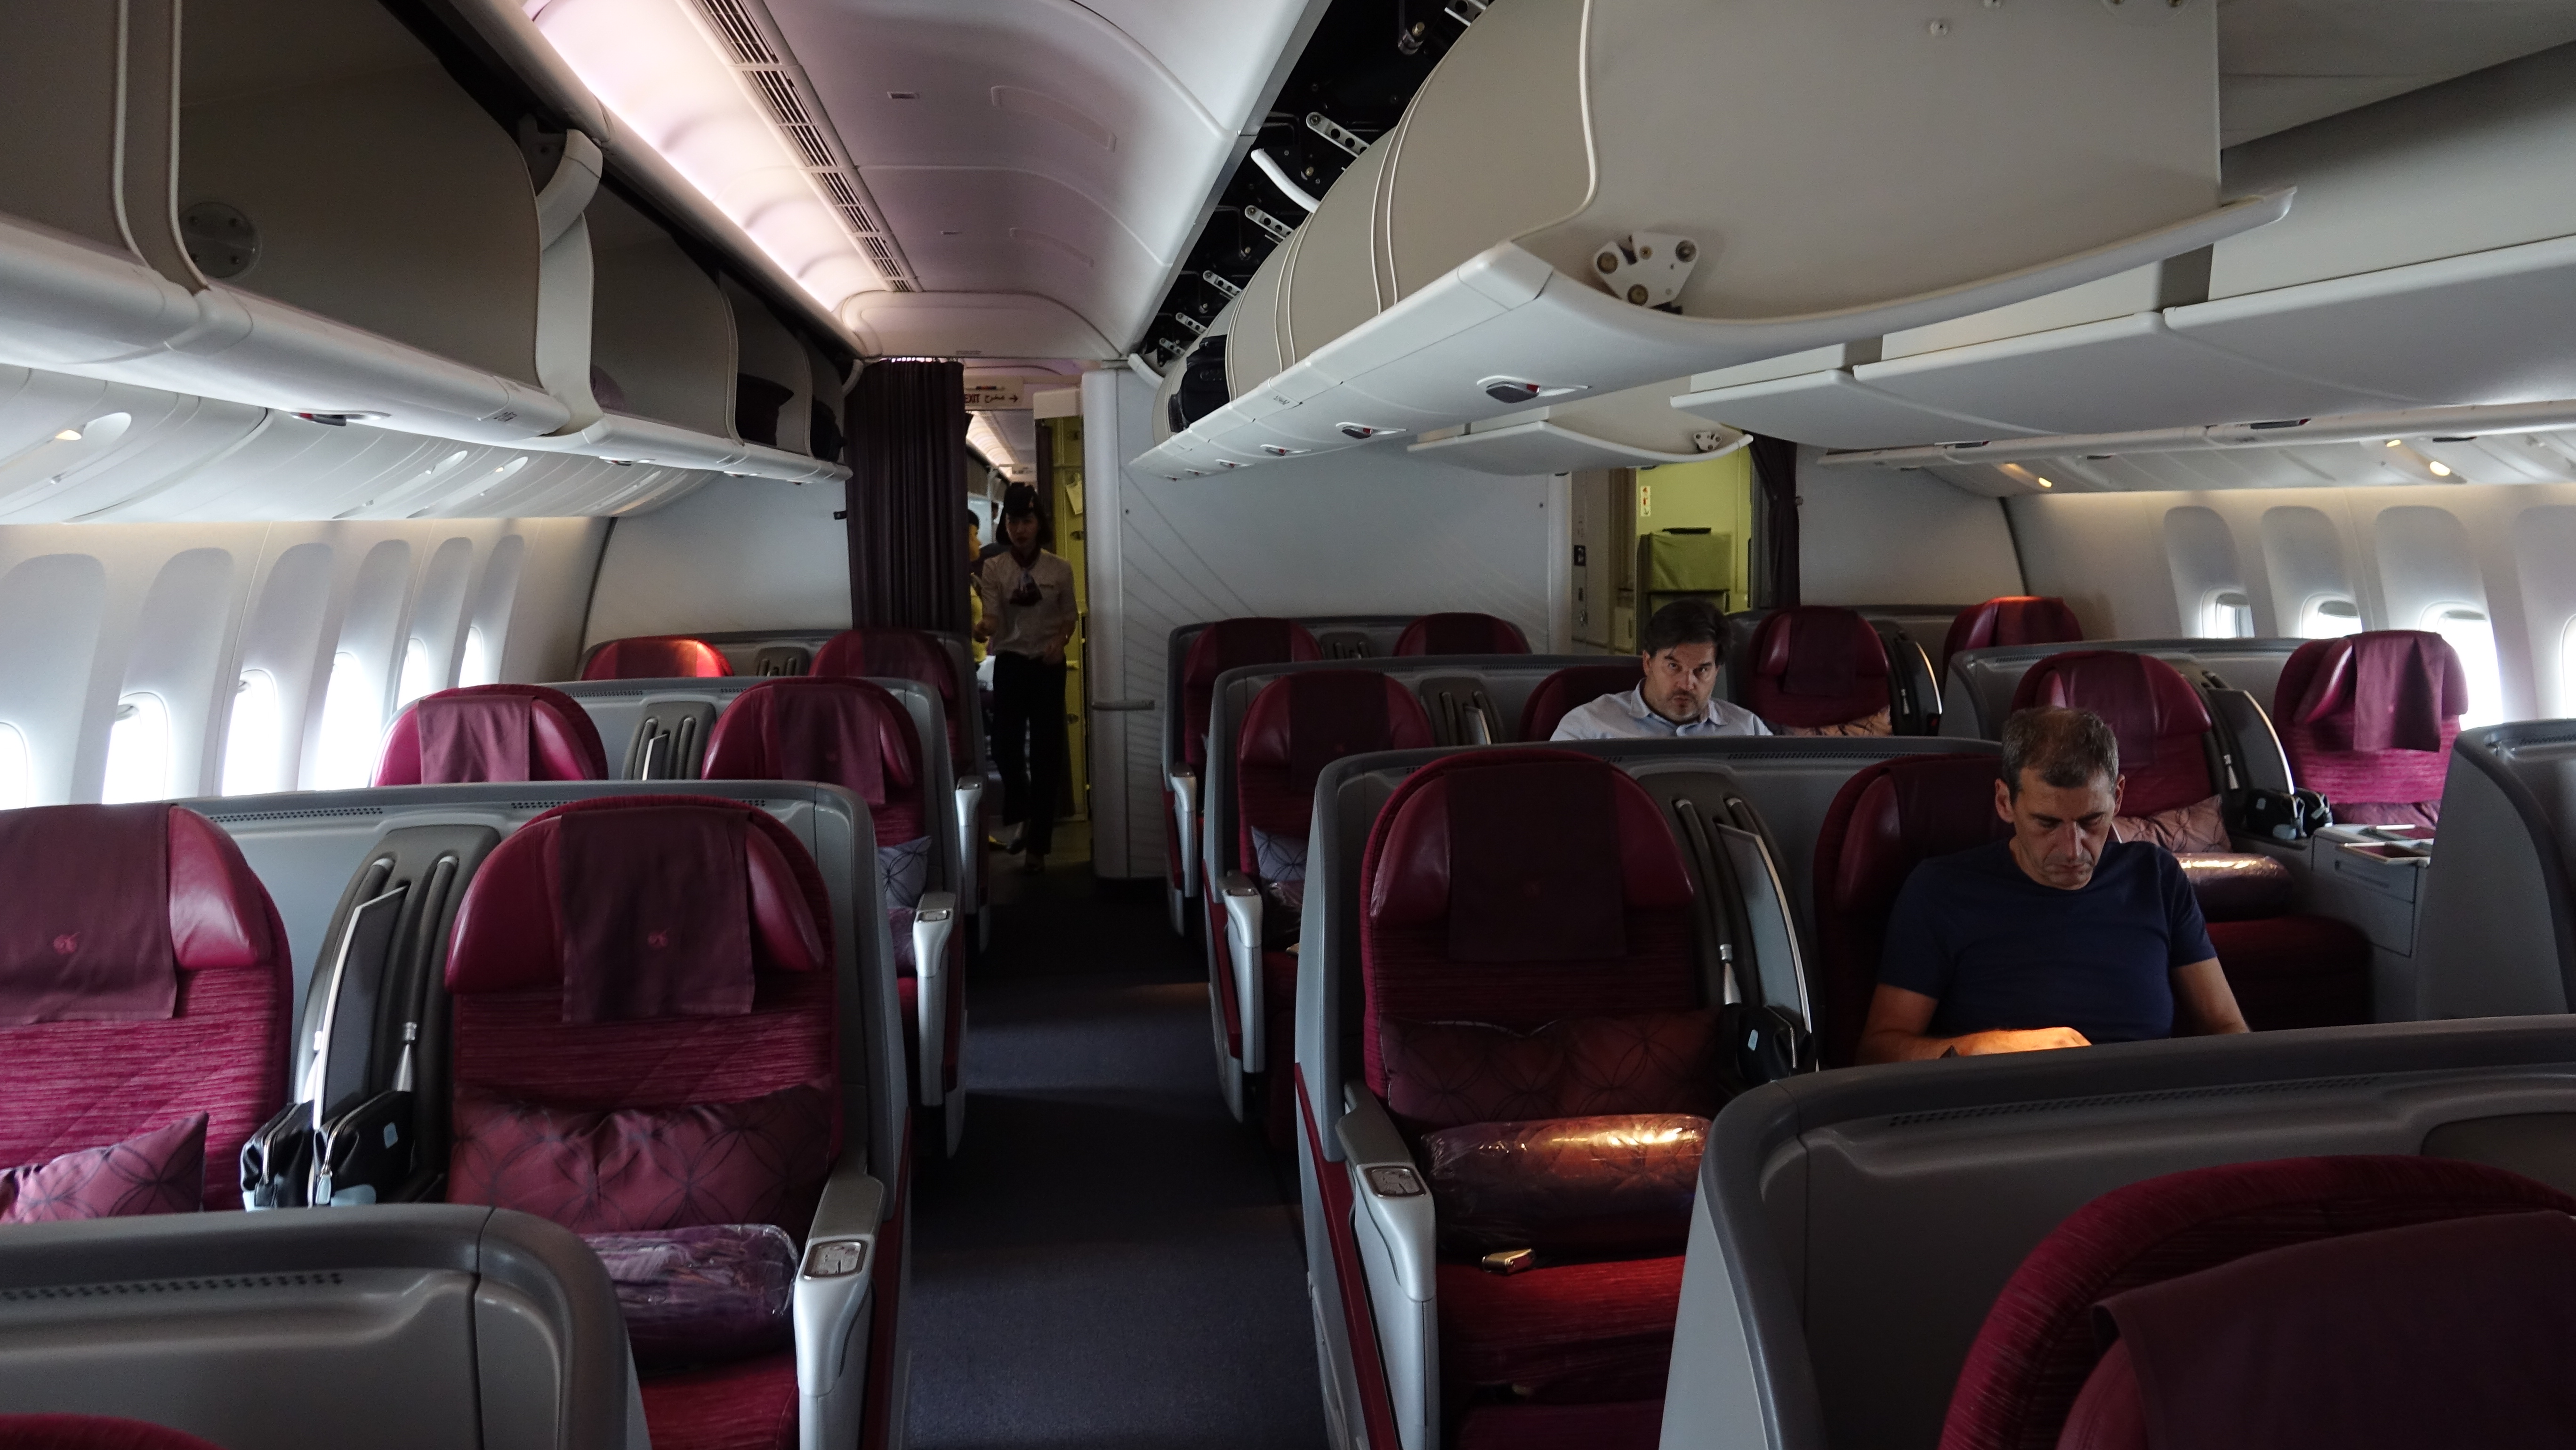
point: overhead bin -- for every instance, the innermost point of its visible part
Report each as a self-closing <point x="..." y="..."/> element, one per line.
<point x="1587" y="198"/>
<point x="1638" y="428"/>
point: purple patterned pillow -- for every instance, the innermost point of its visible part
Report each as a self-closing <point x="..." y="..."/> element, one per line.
<point x="1618" y="1184"/>
<point x="1443" y="1074"/>
<point x="756" y="1161"/>
<point x="703" y="1295"/>
<point x="163" y="1171"/>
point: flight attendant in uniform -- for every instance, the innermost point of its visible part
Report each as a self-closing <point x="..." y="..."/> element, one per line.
<point x="1027" y="622"/>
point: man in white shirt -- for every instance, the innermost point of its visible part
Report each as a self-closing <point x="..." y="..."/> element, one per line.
<point x="1028" y="618"/>
<point x="1681" y="648"/>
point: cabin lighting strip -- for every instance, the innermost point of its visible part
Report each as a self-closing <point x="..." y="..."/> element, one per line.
<point x="2557" y="415"/>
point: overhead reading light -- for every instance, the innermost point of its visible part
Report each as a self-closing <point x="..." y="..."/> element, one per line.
<point x="2392" y="443"/>
<point x="2044" y="483"/>
<point x="2440" y="470"/>
<point x="68" y="435"/>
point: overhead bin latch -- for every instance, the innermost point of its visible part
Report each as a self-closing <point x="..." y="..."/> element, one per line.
<point x="1647" y="268"/>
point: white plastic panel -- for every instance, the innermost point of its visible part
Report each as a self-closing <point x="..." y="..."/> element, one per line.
<point x="1836" y="411"/>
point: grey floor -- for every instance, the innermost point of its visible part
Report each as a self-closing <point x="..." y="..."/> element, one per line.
<point x="1110" y="1260"/>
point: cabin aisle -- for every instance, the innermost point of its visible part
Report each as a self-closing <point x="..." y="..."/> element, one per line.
<point x="1110" y="1260"/>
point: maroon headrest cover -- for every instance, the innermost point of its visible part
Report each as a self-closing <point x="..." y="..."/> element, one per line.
<point x="641" y="906"/>
<point x="1231" y="644"/>
<point x="843" y="732"/>
<point x="106" y="904"/>
<point x="893" y="654"/>
<point x="1462" y="634"/>
<point x="2014" y="619"/>
<point x="657" y="657"/>
<point x="2145" y="701"/>
<point x="492" y="733"/>
<point x="2390" y="689"/>
<point x="1902" y="812"/>
<point x="1569" y="689"/>
<point x="1304" y="722"/>
<point x="1819" y="650"/>
<point x="1528" y="855"/>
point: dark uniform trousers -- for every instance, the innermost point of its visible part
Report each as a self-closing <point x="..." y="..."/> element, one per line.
<point x="1028" y="743"/>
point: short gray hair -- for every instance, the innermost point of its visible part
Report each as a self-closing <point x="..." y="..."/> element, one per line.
<point x="2067" y="747"/>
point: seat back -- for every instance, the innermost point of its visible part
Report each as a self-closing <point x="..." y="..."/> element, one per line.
<point x="2368" y="721"/>
<point x="1883" y="822"/>
<point x="665" y="958"/>
<point x="1568" y="690"/>
<point x="1461" y="634"/>
<point x="843" y="732"/>
<point x="1816" y="669"/>
<point x="1299" y="724"/>
<point x="144" y="978"/>
<point x="492" y="733"/>
<point x="2039" y="1342"/>
<point x="2013" y="619"/>
<point x="1225" y="645"/>
<point x="1515" y="887"/>
<point x="655" y="657"/>
<point x="2163" y="729"/>
<point x="904" y="654"/>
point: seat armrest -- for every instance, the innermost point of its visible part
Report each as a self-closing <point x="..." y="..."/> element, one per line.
<point x="1185" y="820"/>
<point x="1243" y="951"/>
<point x="970" y="841"/>
<point x="1390" y="1190"/>
<point x="832" y="1283"/>
<point x="934" y="920"/>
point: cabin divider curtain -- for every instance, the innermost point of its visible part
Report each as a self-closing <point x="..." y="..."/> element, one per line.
<point x="907" y="509"/>
<point x="1775" y="523"/>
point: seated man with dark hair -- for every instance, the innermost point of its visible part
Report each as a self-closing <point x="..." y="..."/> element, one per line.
<point x="1680" y="649"/>
<point x="2058" y="935"/>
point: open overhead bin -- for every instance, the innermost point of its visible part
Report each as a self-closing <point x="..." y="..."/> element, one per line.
<point x="1585" y="198"/>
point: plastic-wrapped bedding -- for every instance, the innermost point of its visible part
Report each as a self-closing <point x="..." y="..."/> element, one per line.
<point x="702" y="1295"/>
<point x="1612" y="1184"/>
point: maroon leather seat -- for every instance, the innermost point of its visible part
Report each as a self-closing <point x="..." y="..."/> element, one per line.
<point x="1462" y="634"/>
<point x="656" y="657"/>
<point x="644" y="1039"/>
<point x="887" y="653"/>
<point x="2368" y="721"/>
<point x="2032" y="1360"/>
<point x="1568" y="690"/>
<point x="1226" y="644"/>
<point x="93" y="1432"/>
<point x="2013" y="619"/>
<point x="1882" y="823"/>
<point x="145" y="981"/>
<point x="855" y="735"/>
<point x="1818" y="670"/>
<point x="1297" y="725"/>
<point x="492" y="733"/>
<point x="2288" y="969"/>
<point x="1507" y="891"/>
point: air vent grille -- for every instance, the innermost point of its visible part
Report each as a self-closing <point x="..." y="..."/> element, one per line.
<point x="734" y="25"/>
<point x="331" y="813"/>
<point x="139" y="1288"/>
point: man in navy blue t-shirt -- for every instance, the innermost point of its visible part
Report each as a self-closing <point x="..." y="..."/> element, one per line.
<point x="2057" y="936"/>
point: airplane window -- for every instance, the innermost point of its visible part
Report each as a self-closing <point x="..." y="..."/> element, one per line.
<point x="353" y="726"/>
<point x="2328" y="617"/>
<point x="2472" y="636"/>
<point x="251" y="743"/>
<point x="477" y="668"/>
<point x="17" y="772"/>
<point x="138" y="751"/>
<point x="2227" y="614"/>
<point x="419" y="674"/>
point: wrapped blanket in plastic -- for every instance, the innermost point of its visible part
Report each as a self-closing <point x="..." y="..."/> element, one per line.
<point x="1613" y="1184"/>
<point x="702" y="1295"/>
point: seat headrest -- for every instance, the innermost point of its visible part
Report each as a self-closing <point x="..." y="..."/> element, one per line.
<point x="106" y="904"/>
<point x="2146" y="702"/>
<point x="1819" y="650"/>
<point x="2013" y="619"/>
<point x="657" y="657"/>
<point x="492" y="733"/>
<point x="1570" y="689"/>
<point x="1899" y="813"/>
<point x="1462" y="634"/>
<point x="642" y="906"/>
<point x="1528" y="855"/>
<point x="1253" y="640"/>
<point x="2388" y="689"/>
<point x="842" y="732"/>
<point x="889" y="654"/>
<point x="1306" y="721"/>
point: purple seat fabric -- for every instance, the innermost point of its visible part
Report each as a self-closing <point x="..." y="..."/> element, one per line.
<point x="2368" y="721"/>
<point x="492" y="733"/>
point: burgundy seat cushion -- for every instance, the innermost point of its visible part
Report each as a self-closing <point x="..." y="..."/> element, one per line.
<point x="1885" y="819"/>
<point x="144" y="978"/>
<point x="492" y="733"/>
<point x="1303" y="722"/>
<point x="2295" y="971"/>
<point x="656" y="657"/>
<point x="1230" y="644"/>
<point x="838" y="731"/>
<point x="2013" y="619"/>
<point x="2368" y="721"/>
<point x="93" y="1432"/>
<point x="2037" y="1347"/>
<point x="1462" y="634"/>
<point x="1568" y="690"/>
<point x="2150" y="707"/>
<point x="750" y="1405"/>
<point x="1623" y="1425"/>
<point x="1585" y="1332"/>
<point x="887" y="653"/>
<point x="1815" y="667"/>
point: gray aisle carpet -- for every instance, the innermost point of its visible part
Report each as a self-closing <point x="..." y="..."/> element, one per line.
<point x="1111" y="1260"/>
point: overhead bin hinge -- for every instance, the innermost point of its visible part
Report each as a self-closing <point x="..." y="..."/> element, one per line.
<point x="1279" y="231"/>
<point x="1647" y="269"/>
<point x="1196" y="327"/>
<point x="1465" y="11"/>
<point x="1342" y="136"/>
<point x="1220" y="284"/>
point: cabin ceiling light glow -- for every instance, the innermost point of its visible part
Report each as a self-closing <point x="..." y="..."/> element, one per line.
<point x="2440" y="469"/>
<point x="652" y="64"/>
<point x="68" y="435"/>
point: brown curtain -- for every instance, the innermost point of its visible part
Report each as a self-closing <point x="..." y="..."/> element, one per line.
<point x="907" y="513"/>
<point x="1775" y="523"/>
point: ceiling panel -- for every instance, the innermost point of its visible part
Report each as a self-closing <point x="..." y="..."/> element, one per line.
<point x="2284" y="63"/>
